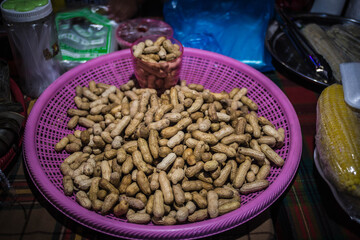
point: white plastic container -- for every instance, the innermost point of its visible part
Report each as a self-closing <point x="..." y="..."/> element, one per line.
<point x="350" y="77"/>
<point x="33" y="39"/>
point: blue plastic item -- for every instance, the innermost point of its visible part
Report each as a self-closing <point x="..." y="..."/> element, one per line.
<point x="234" y="28"/>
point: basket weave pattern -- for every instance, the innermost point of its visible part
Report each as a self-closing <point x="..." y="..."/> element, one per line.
<point x="47" y="124"/>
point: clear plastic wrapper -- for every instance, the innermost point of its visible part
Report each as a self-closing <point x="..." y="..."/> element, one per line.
<point x="233" y="28"/>
<point x="337" y="154"/>
<point x="33" y="39"/>
<point x="83" y="35"/>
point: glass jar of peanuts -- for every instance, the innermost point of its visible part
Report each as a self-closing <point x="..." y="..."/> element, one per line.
<point x="157" y="62"/>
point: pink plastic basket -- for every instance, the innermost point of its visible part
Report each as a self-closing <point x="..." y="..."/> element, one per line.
<point x="47" y="125"/>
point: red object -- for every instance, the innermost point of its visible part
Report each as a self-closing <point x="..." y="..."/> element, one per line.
<point x="130" y="31"/>
<point x="18" y="97"/>
<point x="295" y="5"/>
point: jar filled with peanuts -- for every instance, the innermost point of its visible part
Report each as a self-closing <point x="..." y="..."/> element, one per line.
<point x="157" y="62"/>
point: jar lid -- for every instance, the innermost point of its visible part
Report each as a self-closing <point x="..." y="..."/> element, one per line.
<point x="25" y="10"/>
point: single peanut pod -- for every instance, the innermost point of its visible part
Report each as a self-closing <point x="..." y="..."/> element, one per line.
<point x="213" y="204"/>
<point x="250" y="103"/>
<point x="224" y="175"/>
<point x="176" y="139"/>
<point x="121" y="208"/>
<point x="166" y="188"/>
<point x="223" y="132"/>
<point x="164" y="151"/>
<point x="199" y="200"/>
<point x="127" y="166"/>
<point x="151" y="49"/>
<point x="253" y="121"/>
<point x="254" y="186"/>
<point x="159" y="41"/>
<point x="239" y="94"/>
<point x="250" y="176"/>
<point x="271" y="131"/>
<point x="150" y="205"/>
<point x="77" y="112"/>
<point x="182" y="214"/>
<point x="138" y="161"/>
<point x="228" y="207"/>
<point x="177" y="175"/>
<point x="105" y="184"/>
<point x="105" y="170"/>
<point x="134" y="107"/>
<point x="158" y="205"/>
<point x="120" y="126"/>
<point x="205" y="137"/>
<point x="124" y="183"/>
<point x="83" y="200"/>
<point x="233" y="164"/>
<point x="132" y="189"/>
<point x="194" y="185"/>
<point x="235" y="138"/>
<point x="139" y="49"/>
<point x="222" y="148"/>
<point x="220" y="96"/>
<point x="211" y="166"/>
<point x="61" y="144"/>
<point x="68" y="185"/>
<point x="166" y="220"/>
<point x="153" y="143"/>
<point x="139" y="218"/>
<point x="94" y="188"/>
<point x="162" y="53"/>
<point x="241" y="174"/>
<point x="193" y="170"/>
<point x="268" y="140"/>
<point x="145" y="151"/>
<point x="199" y="150"/>
<point x="264" y="171"/>
<point x="97" y="205"/>
<point x="87" y="123"/>
<point x="72" y="147"/>
<point x="257" y="155"/>
<point x="134" y="123"/>
<point x="160" y="125"/>
<point x="198" y="215"/>
<point x="219" y="157"/>
<point x="162" y="110"/>
<point x="179" y="194"/>
<point x="272" y="155"/>
<point x="73" y="122"/>
<point x="154" y="182"/>
<point x="224" y="193"/>
<point x="134" y="203"/>
<point x="109" y="202"/>
<point x="143" y="182"/>
<point x="179" y="149"/>
<point x="101" y="194"/>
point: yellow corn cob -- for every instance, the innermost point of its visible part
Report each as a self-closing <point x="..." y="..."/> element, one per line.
<point x="338" y="140"/>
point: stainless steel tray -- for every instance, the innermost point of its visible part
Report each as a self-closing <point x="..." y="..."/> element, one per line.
<point x="286" y="59"/>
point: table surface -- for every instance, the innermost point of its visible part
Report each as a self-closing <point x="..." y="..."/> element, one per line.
<point x="306" y="210"/>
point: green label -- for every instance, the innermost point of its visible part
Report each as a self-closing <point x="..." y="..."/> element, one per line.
<point x="83" y="35"/>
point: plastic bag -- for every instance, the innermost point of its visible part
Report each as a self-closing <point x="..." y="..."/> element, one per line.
<point x="35" y="50"/>
<point x="337" y="151"/>
<point x="233" y="28"/>
<point x="83" y="35"/>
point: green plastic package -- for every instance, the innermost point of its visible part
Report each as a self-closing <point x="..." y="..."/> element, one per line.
<point x="83" y="35"/>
